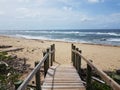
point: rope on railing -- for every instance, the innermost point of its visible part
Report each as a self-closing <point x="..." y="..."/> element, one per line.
<point x="36" y="70"/>
<point x="90" y="66"/>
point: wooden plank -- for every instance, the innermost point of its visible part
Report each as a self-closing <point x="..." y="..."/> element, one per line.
<point x="66" y="89"/>
<point x="62" y="78"/>
<point x="64" y="83"/>
<point x="62" y="87"/>
<point x="30" y="76"/>
<point x="34" y="71"/>
<point x="104" y="76"/>
<point x="12" y="49"/>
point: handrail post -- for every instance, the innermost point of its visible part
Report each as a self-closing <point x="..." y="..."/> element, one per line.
<point x="76" y="62"/>
<point x="45" y="65"/>
<point x="72" y="53"/>
<point x="54" y="52"/>
<point x="89" y="77"/>
<point x="48" y="59"/>
<point x="51" y="55"/>
<point x="73" y="56"/>
<point x="37" y="78"/>
<point x="79" y="63"/>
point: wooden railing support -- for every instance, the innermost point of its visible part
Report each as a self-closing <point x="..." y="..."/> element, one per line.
<point x="54" y="52"/>
<point x="51" y="55"/>
<point x="76" y="62"/>
<point x="79" y="63"/>
<point x="109" y="81"/>
<point x="37" y="78"/>
<point x="72" y="53"/>
<point x="89" y="78"/>
<point x="48" y="58"/>
<point x="73" y="56"/>
<point x="45" y="65"/>
<point x="36" y="71"/>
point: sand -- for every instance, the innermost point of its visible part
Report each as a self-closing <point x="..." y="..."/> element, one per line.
<point x="105" y="57"/>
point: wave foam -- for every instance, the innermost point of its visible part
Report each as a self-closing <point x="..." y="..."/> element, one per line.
<point x="114" y="39"/>
<point x="31" y="37"/>
<point x="112" y="34"/>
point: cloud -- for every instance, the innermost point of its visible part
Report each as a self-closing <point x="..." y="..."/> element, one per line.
<point x="95" y="1"/>
<point x="57" y="13"/>
<point x="27" y="13"/>
<point x="112" y="18"/>
<point x="23" y="10"/>
<point x="115" y="17"/>
<point x="24" y="1"/>
<point x="85" y="19"/>
<point x="106" y="21"/>
<point x="2" y="13"/>
<point x="67" y="8"/>
<point x="64" y="16"/>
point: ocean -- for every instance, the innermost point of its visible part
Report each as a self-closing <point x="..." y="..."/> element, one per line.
<point x="106" y="37"/>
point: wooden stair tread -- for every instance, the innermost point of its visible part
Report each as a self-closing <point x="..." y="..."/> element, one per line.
<point x="58" y="86"/>
<point x="62" y="78"/>
<point x="64" y="89"/>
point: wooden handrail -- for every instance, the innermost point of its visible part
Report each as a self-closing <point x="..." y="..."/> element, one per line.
<point x="30" y="76"/>
<point x="34" y="71"/>
<point x="103" y="75"/>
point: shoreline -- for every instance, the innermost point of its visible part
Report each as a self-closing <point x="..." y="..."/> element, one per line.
<point x="105" y="57"/>
<point x="61" y="41"/>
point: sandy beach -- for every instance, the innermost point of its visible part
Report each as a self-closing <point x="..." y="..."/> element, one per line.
<point x="103" y="56"/>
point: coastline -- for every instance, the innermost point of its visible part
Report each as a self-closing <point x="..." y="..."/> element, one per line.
<point x="102" y="37"/>
<point x="106" y="57"/>
<point x="61" y="41"/>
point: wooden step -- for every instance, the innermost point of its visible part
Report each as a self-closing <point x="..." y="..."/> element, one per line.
<point x="62" y="87"/>
<point x="62" y="78"/>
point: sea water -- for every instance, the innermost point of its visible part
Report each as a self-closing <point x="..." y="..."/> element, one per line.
<point x="92" y="36"/>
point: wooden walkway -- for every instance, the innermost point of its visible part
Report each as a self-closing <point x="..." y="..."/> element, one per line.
<point x="63" y="77"/>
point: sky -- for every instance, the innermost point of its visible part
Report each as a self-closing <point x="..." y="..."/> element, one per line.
<point x="59" y="14"/>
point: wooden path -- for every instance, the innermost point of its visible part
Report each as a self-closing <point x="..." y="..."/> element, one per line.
<point x="62" y="78"/>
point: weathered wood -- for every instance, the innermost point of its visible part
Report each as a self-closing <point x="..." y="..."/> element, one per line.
<point x="5" y="46"/>
<point x="30" y="76"/>
<point x="57" y="78"/>
<point x="64" y="89"/>
<point x="79" y="63"/>
<point x="72" y="53"/>
<point x="89" y="77"/>
<point x="73" y="56"/>
<point x="61" y="87"/>
<point x="64" y="84"/>
<point x="51" y="55"/>
<point x="12" y="49"/>
<point x="77" y="58"/>
<point x="37" y="78"/>
<point x="104" y="76"/>
<point x="34" y="71"/>
<point x="45" y="64"/>
<point x="54" y="52"/>
<point x="98" y="80"/>
<point x="48" y="63"/>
